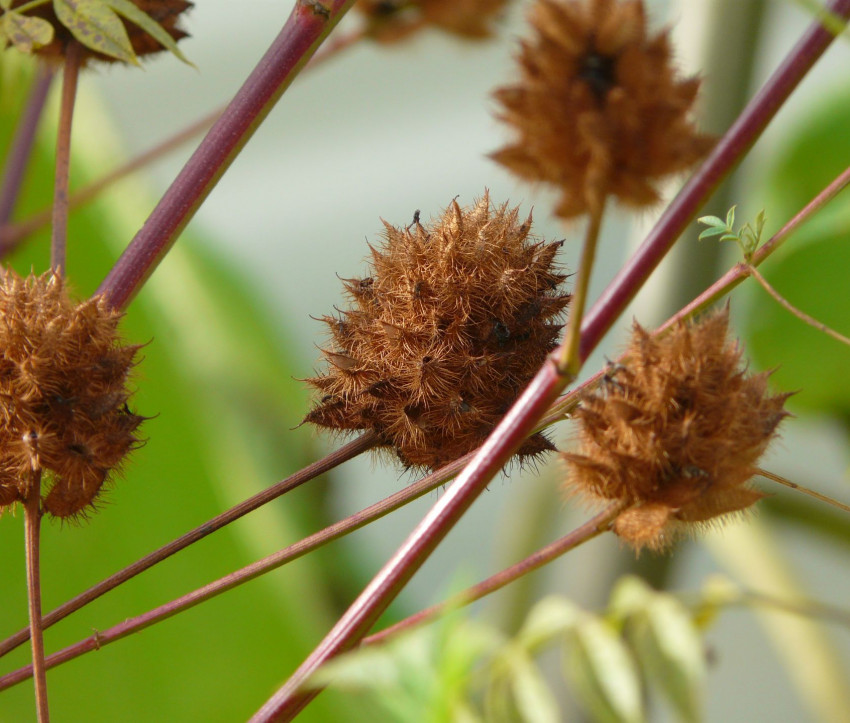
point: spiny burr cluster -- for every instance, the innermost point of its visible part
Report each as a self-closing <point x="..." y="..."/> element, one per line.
<point x="392" y="20"/>
<point x="453" y="320"/>
<point x="63" y="395"/>
<point x="599" y="109"/>
<point x="165" y="12"/>
<point x="675" y="431"/>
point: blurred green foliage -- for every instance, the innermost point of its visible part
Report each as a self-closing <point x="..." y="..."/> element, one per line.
<point x="217" y="384"/>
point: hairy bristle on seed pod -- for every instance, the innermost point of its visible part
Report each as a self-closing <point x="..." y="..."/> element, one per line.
<point x="165" y="12"/>
<point x="63" y="385"/>
<point x="675" y="431"/>
<point x="451" y="321"/>
<point x="393" y="20"/>
<point x="598" y="109"/>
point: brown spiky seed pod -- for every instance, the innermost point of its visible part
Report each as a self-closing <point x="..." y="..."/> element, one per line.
<point x="451" y="322"/>
<point x="599" y="109"/>
<point x="392" y="20"/>
<point x="63" y="377"/>
<point x="676" y="431"/>
<point x="165" y="12"/>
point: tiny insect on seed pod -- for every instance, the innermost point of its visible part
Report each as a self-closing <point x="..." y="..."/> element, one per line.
<point x="167" y="13"/>
<point x="675" y="431"/>
<point x="63" y="385"/>
<point x="453" y="319"/>
<point x="393" y="20"/>
<point x="598" y="110"/>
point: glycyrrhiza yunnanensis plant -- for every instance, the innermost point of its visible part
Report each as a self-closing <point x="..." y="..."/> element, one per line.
<point x="307" y="22"/>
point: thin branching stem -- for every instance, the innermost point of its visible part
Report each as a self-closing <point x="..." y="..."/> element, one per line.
<point x="739" y="273"/>
<point x="22" y="145"/>
<point x="544" y="388"/>
<point x="368" y="515"/>
<point x="250" y="572"/>
<point x="14" y="234"/>
<point x="59" y="218"/>
<point x="32" y="531"/>
<point x="307" y="26"/>
<point x="584" y="533"/>
<point x="802" y="316"/>
<point x="803" y="490"/>
<point x="352" y="449"/>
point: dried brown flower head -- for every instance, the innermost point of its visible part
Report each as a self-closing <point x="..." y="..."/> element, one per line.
<point x="453" y="320"/>
<point x="599" y="109"/>
<point x="392" y="20"/>
<point x="675" y="431"/>
<point x="63" y="375"/>
<point x="165" y="12"/>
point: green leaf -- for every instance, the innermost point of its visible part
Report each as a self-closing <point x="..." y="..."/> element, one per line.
<point x="550" y="618"/>
<point x="132" y="12"/>
<point x="730" y="217"/>
<point x="534" y="701"/>
<point x="713" y="221"/>
<point x="810" y="270"/>
<point x="219" y="431"/>
<point x="25" y="32"/>
<point x="96" y="26"/>
<point x="710" y="232"/>
<point x="603" y="673"/>
<point x="670" y="651"/>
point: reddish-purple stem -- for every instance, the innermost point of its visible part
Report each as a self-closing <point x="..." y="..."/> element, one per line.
<point x="723" y="286"/>
<point x="59" y="218"/>
<point x="585" y="532"/>
<point x="344" y="453"/>
<point x="234" y="579"/>
<point x="22" y="144"/>
<point x="731" y="148"/>
<point x="307" y="25"/>
<point x="371" y="603"/>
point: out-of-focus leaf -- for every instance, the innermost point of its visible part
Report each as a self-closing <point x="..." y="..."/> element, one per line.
<point x="97" y="26"/>
<point x="666" y="642"/>
<point x="25" y="32"/>
<point x="550" y="618"/>
<point x="534" y="701"/>
<point x="602" y="672"/>
<point x="810" y="271"/>
<point x="148" y="24"/>
<point x="218" y="383"/>
<point x="422" y="675"/>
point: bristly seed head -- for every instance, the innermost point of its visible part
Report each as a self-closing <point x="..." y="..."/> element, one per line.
<point x="167" y="13"/>
<point x="393" y="20"/>
<point x="675" y="431"/>
<point x="599" y="109"/>
<point x="63" y="395"/>
<point x="453" y="319"/>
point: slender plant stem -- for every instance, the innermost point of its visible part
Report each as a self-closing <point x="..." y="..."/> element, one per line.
<point x="726" y="154"/>
<point x="593" y="527"/>
<point x="803" y="490"/>
<point x="32" y="529"/>
<point x="544" y="388"/>
<point x="308" y="24"/>
<point x="785" y="304"/>
<point x="13" y="234"/>
<point x="556" y="413"/>
<point x="22" y="144"/>
<point x="570" y="360"/>
<point x="267" y="564"/>
<point x="59" y="229"/>
<point x="348" y="451"/>
<point x="739" y="272"/>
